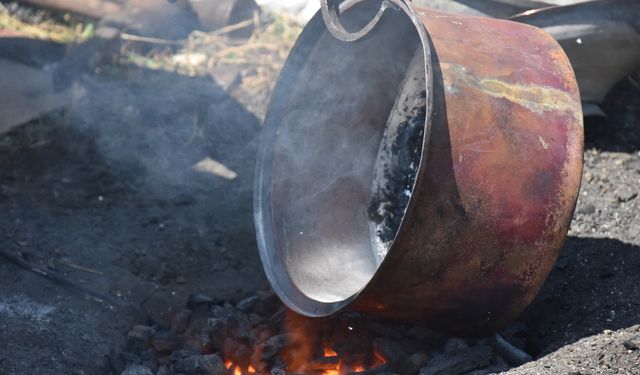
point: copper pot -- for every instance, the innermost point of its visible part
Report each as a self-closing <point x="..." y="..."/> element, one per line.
<point x="497" y="182"/>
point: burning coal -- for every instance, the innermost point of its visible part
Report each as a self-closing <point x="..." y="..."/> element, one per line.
<point x="260" y="336"/>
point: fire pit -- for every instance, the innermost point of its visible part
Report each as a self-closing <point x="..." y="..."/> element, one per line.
<point x="433" y="187"/>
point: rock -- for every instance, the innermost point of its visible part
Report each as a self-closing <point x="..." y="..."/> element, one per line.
<point x="587" y="209"/>
<point x="513" y="355"/>
<point x="625" y="194"/>
<point x="412" y="364"/>
<point x="208" y="364"/>
<point x="134" y="369"/>
<point x="459" y="362"/>
<point x="630" y="345"/>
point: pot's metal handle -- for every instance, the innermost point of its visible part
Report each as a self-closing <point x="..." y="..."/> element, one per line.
<point x="331" y="16"/>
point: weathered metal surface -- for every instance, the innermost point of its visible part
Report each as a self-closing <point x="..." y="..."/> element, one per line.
<point x="497" y="183"/>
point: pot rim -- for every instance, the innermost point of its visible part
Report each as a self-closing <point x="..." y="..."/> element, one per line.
<point x="274" y="268"/>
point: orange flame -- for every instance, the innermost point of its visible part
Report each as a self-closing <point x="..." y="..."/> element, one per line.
<point x="328" y="352"/>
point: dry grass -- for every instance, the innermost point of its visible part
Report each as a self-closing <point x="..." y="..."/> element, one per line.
<point x="46" y="30"/>
<point x="257" y="60"/>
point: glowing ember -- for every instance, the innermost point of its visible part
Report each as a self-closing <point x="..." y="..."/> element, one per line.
<point x="328" y="352"/>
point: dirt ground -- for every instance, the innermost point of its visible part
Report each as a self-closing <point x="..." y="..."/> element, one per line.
<point x="104" y="194"/>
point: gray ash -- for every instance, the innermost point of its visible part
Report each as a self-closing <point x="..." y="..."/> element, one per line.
<point x="398" y="158"/>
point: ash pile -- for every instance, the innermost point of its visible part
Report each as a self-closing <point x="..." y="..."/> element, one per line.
<point x="260" y="335"/>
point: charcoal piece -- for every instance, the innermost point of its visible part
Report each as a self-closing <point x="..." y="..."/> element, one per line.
<point x="378" y="370"/>
<point x="217" y="332"/>
<point x="164" y="341"/>
<point x="239" y="326"/>
<point x="323" y="364"/>
<point x="142" y="333"/>
<point x="138" y="338"/>
<point x="181" y="354"/>
<point x="149" y="359"/>
<point x="513" y="355"/>
<point x="459" y="362"/>
<point x="274" y="346"/>
<point x="248" y="304"/>
<point x="398" y="159"/>
<point x="391" y="350"/>
<point x="180" y="321"/>
<point x="208" y="364"/>
<point x="134" y="369"/>
<point x="239" y="351"/>
<point x="254" y="319"/>
<point x="383" y="330"/>
<point x="412" y="364"/>
<point x="197" y="300"/>
<point x="453" y="344"/>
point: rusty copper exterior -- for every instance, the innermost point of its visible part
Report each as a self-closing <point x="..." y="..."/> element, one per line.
<point x="497" y="182"/>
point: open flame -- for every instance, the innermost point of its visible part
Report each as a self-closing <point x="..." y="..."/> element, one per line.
<point x="318" y="346"/>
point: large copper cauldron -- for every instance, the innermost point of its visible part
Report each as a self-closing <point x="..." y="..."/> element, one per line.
<point x="496" y="184"/>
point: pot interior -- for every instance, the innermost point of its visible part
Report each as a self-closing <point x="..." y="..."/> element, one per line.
<point x="316" y="174"/>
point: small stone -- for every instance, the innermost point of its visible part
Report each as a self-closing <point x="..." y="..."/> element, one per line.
<point x="413" y="364"/>
<point x="588" y="176"/>
<point x="587" y="209"/>
<point x="630" y="345"/>
<point x="134" y="369"/>
<point x="625" y="194"/>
